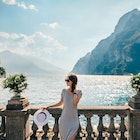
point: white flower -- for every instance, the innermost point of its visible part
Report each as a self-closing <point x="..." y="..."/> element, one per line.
<point x="137" y="79"/>
<point x="133" y="81"/>
<point x="135" y="85"/>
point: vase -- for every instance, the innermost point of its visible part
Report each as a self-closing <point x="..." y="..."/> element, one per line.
<point x="134" y="101"/>
<point x="17" y="102"/>
<point x="17" y="96"/>
<point x="138" y="92"/>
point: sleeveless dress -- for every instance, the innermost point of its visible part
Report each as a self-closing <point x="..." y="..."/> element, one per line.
<point x="69" y="121"/>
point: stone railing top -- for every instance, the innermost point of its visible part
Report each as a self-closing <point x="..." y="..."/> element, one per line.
<point x="31" y="109"/>
<point x="87" y="109"/>
<point x="36" y="107"/>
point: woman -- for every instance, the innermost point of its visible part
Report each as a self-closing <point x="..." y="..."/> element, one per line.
<point x="69" y="121"/>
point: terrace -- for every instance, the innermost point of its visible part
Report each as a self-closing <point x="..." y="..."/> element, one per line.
<point x="113" y="122"/>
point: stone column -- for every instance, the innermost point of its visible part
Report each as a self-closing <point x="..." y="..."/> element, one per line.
<point x="134" y="117"/>
<point x="17" y="119"/>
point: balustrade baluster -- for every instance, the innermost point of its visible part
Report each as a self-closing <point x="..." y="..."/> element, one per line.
<point x="34" y="129"/>
<point x="2" y="125"/>
<point x="78" y="133"/>
<point x="2" y="128"/>
<point x="46" y="129"/>
<point x="111" y="128"/>
<point x="100" y="128"/>
<point x="122" y="128"/>
<point x="89" y="128"/>
<point x="56" y="127"/>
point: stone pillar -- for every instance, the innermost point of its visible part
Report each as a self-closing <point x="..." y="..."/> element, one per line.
<point x="134" y="117"/>
<point x="17" y="119"/>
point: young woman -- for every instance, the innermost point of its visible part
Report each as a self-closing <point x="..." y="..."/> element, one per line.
<point x="69" y="121"/>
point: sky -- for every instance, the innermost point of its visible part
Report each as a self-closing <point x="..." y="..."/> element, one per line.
<point x="59" y="31"/>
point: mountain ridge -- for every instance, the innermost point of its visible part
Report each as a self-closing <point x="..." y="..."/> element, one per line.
<point x="111" y="54"/>
<point x="15" y="63"/>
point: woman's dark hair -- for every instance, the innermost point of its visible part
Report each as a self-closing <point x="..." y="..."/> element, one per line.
<point x="72" y="77"/>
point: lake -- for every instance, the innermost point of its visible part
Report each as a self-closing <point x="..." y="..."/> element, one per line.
<point x="97" y="90"/>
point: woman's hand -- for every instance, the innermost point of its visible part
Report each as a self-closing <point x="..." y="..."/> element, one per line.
<point x="45" y="108"/>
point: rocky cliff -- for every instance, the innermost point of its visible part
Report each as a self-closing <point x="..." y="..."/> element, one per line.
<point x="118" y="53"/>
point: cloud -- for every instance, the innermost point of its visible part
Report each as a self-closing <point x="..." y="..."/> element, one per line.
<point x="20" y="4"/>
<point x="10" y="2"/>
<point x="4" y="35"/>
<point x="37" y="44"/>
<point x="53" y="25"/>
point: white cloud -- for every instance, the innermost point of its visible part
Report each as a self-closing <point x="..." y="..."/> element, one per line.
<point x="53" y="25"/>
<point x="4" y="35"/>
<point x="37" y="44"/>
<point x="10" y="2"/>
<point x="20" y="4"/>
<point x="32" y="7"/>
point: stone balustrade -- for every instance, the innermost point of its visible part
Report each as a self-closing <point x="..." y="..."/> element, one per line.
<point x="109" y="131"/>
<point x="112" y="122"/>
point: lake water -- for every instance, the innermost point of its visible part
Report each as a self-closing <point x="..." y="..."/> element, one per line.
<point x="97" y="89"/>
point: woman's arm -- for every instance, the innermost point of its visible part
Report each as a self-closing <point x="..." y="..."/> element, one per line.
<point x="77" y="98"/>
<point x="54" y="105"/>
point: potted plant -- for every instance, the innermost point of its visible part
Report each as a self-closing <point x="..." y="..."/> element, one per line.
<point x="2" y="72"/>
<point x="16" y="83"/>
<point x="135" y="82"/>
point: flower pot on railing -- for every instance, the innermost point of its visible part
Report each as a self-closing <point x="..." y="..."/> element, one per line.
<point x="134" y="102"/>
<point x="17" y="96"/>
<point x="138" y="92"/>
<point x="16" y="84"/>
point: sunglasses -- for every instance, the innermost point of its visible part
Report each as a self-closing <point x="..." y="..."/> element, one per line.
<point x="67" y="80"/>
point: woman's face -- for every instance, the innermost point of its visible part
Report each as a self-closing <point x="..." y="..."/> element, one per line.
<point x="68" y="82"/>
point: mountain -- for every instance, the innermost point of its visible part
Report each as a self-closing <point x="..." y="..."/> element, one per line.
<point x="118" y="53"/>
<point x="15" y="63"/>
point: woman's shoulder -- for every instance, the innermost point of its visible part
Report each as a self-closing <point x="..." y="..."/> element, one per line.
<point x="64" y="90"/>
